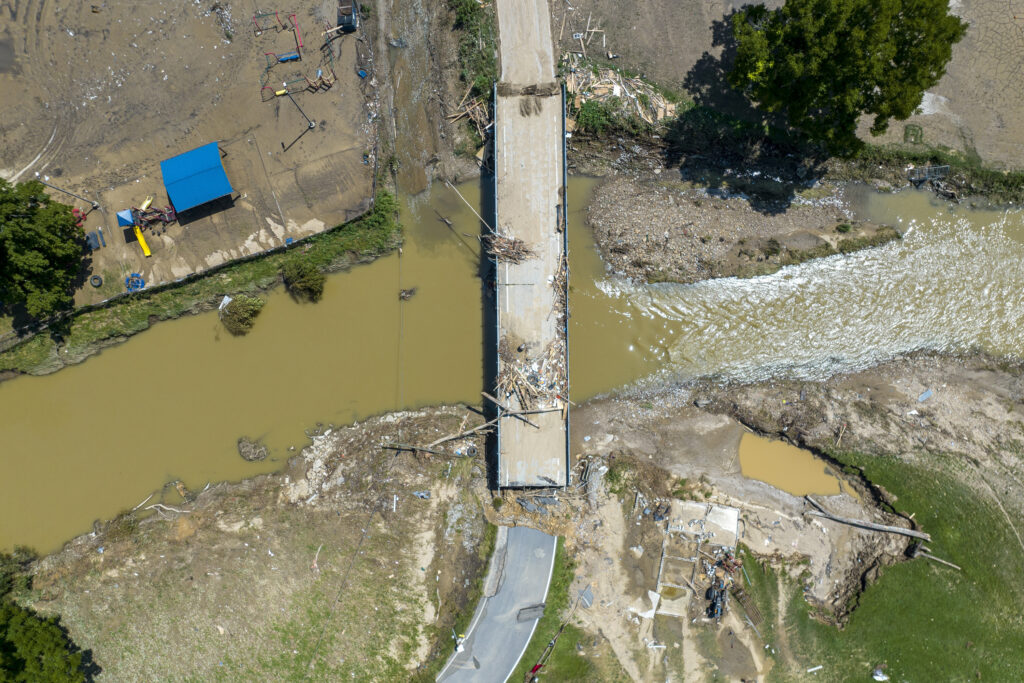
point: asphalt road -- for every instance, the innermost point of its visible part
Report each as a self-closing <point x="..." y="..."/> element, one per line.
<point x="496" y="639"/>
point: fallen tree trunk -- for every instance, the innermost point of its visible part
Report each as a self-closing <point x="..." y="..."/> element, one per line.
<point x="822" y="512"/>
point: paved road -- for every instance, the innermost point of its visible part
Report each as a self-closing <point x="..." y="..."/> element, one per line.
<point x="496" y="639"/>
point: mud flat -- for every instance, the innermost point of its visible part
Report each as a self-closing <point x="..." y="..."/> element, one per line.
<point x="105" y="95"/>
<point x="663" y="230"/>
<point x="299" y="574"/>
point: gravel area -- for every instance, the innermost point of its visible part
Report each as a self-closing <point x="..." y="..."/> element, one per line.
<point x="657" y="230"/>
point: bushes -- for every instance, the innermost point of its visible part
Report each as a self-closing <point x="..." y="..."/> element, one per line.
<point x="479" y="65"/>
<point x="240" y="315"/>
<point x="597" y="117"/>
<point x="303" y="279"/>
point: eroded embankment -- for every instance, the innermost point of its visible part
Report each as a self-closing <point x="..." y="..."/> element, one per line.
<point x="303" y="573"/>
<point x="86" y="332"/>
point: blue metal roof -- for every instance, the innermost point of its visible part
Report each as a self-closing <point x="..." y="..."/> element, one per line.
<point x="195" y="177"/>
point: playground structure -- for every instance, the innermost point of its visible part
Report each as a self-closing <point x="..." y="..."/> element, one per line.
<point x="133" y="282"/>
<point x="266" y="21"/>
<point x="144" y="217"/>
<point x="325" y="76"/>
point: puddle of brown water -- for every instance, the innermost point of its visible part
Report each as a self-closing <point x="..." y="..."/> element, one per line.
<point x="785" y="467"/>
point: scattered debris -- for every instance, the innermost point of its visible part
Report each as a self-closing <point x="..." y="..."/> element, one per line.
<point x="637" y="97"/>
<point x="508" y="249"/>
<point x="407" y="294"/>
<point x="536" y="382"/>
<point x="252" y="449"/>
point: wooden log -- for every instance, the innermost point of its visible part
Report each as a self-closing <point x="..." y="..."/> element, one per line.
<point x="822" y="512"/>
<point x="410" y="447"/>
<point x="938" y="559"/>
<point x="485" y="425"/>
<point x="508" y="411"/>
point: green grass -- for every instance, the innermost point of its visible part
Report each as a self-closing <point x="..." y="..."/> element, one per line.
<point x="762" y="584"/>
<point x="791" y="257"/>
<point x="38" y="352"/>
<point x="368" y="236"/>
<point x="478" y="61"/>
<point x="564" y="664"/>
<point x="998" y="185"/>
<point x="926" y="621"/>
<point x="440" y="633"/>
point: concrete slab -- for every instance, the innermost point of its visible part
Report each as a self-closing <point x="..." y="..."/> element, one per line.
<point x="529" y="168"/>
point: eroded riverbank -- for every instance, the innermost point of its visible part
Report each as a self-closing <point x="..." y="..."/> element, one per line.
<point x="171" y="403"/>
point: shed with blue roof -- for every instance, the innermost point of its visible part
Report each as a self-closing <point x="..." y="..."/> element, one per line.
<point x="195" y="177"/>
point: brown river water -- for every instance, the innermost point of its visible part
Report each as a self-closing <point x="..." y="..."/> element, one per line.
<point x="97" y="438"/>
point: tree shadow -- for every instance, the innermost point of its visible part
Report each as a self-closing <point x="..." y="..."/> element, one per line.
<point x="727" y="145"/>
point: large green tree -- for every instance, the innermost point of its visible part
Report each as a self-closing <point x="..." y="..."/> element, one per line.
<point x="34" y="649"/>
<point x="825" y="63"/>
<point x="40" y="249"/>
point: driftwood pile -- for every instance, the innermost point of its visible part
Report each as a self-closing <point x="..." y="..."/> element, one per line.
<point x="635" y="95"/>
<point x="508" y="249"/>
<point x="476" y="110"/>
<point x="537" y="383"/>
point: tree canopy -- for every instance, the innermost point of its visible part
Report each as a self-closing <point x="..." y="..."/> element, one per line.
<point x="32" y="648"/>
<point x="40" y="249"/>
<point x="824" y="63"/>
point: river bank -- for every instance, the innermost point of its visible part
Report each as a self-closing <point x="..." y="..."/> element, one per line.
<point x="297" y="534"/>
<point x="92" y="329"/>
<point x="300" y="573"/>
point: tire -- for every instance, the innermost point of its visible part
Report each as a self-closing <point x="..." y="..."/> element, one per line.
<point x="95" y="281"/>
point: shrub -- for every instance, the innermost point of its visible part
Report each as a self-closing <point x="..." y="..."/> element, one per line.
<point x="303" y="279"/>
<point x="843" y="227"/>
<point x="594" y="117"/>
<point x="240" y="315"/>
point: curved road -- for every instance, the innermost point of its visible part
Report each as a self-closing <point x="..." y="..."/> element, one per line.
<point x="497" y="637"/>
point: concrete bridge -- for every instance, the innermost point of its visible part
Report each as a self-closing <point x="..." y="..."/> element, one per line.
<point x="532" y="295"/>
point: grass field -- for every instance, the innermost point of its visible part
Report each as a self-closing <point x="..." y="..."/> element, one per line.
<point x="927" y="622"/>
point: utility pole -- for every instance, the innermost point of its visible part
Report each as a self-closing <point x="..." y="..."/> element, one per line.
<point x="311" y="124"/>
<point x="45" y="178"/>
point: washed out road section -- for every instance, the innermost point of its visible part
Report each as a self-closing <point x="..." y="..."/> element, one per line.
<point x="496" y="638"/>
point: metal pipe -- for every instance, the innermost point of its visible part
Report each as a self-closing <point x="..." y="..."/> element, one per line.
<point x="95" y="205"/>
<point x="311" y="124"/>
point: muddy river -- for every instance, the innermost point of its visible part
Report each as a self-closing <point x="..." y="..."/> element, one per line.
<point x="95" y="439"/>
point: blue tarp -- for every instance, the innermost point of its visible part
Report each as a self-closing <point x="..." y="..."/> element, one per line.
<point x="124" y="218"/>
<point x="195" y="177"/>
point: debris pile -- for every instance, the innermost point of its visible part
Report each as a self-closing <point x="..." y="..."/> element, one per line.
<point x="476" y="110"/>
<point x="508" y="249"/>
<point x="537" y="383"/>
<point x="637" y="97"/>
